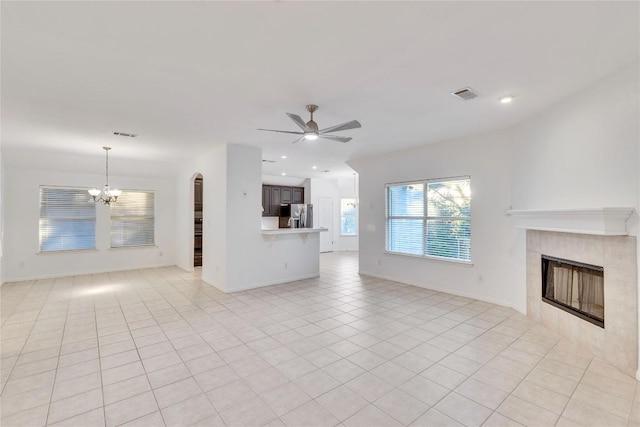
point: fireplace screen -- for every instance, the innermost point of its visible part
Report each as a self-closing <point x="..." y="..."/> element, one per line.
<point x="574" y="287"/>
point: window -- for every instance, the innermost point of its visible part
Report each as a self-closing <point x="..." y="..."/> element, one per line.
<point x="348" y="218"/>
<point x="67" y="219"/>
<point x="430" y="218"/>
<point x="133" y="219"/>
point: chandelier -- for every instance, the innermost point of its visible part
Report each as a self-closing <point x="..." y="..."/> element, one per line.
<point x="107" y="195"/>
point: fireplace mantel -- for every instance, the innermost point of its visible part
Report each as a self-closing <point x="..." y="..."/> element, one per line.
<point x="599" y="221"/>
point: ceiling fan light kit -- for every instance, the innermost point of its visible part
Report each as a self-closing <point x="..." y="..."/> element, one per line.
<point x="311" y="132"/>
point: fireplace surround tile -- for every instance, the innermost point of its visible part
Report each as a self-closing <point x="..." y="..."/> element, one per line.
<point x="617" y="341"/>
<point x="586" y="248"/>
<point x="620" y="252"/>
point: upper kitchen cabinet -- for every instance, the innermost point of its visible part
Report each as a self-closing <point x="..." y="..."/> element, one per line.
<point x="266" y="200"/>
<point x="286" y="194"/>
<point x="274" y="195"/>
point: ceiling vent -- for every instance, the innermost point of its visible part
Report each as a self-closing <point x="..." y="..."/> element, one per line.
<point x="128" y="135"/>
<point x="465" y="94"/>
<point x="268" y="161"/>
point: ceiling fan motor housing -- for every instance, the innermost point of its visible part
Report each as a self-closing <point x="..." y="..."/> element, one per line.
<point x="313" y="126"/>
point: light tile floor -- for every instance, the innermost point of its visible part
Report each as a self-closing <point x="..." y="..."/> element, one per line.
<point x="158" y="347"/>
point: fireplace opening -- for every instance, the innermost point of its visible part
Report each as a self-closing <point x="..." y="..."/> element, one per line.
<point x="574" y="287"/>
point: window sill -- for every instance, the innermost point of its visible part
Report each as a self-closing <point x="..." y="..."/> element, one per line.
<point x="133" y="247"/>
<point x="66" y="251"/>
<point x="433" y="258"/>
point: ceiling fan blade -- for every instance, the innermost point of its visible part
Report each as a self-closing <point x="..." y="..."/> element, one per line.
<point x="336" y="138"/>
<point x="299" y="122"/>
<point x="298" y="140"/>
<point x="282" y="131"/>
<point x="353" y="124"/>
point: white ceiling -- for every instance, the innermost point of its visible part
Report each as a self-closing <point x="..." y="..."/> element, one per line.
<point x="186" y="76"/>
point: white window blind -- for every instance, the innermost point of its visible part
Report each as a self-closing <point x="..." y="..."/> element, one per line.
<point x="348" y="217"/>
<point x="67" y="219"/>
<point x="133" y="219"/>
<point x="430" y="218"/>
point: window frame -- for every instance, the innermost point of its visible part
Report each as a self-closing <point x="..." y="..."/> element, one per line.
<point x="425" y="218"/>
<point x="81" y="190"/>
<point x="153" y="217"/>
<point x="355" y="217"/>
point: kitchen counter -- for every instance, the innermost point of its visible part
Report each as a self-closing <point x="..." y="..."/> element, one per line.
<point x="276" y="231"/>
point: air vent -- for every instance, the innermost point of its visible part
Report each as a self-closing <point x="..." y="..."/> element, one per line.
<point x="326" y="170"/>
<point x="128" y="135"/>
<point x="465" y="94"/>
<point x="268" y="161"/>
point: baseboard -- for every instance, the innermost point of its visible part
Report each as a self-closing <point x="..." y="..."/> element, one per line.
<point x="441" y="289"/>
<point x="264" y="284"/>
<point x="84" y="273"/>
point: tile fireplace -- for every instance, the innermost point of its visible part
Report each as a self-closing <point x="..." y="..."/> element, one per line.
<point x="598" y="284"/>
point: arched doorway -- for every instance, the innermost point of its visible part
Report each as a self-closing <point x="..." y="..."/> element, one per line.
<point x="197" y="219"/>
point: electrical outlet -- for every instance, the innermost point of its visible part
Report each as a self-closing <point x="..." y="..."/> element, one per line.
<point x="286" y="265"/>
<point x="21" y="264"/>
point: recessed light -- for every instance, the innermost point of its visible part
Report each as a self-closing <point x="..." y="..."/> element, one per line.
<point x="283" y="157"/>
<point x="283" y="174"/>
<point x="314" y="167"/>
<point x="506" y="99"/>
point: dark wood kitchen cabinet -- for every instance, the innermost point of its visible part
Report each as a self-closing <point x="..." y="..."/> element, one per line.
<point x="286" y="194"/>
<point x="275" y="195"/>
<point x="298" y="195"/>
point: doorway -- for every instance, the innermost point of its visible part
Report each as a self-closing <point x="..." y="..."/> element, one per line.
<point x="325" y="220"/>
<point x="197" y="217"/>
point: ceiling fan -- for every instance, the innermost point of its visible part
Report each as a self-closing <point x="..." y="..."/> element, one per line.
<point x="310" y="129"/>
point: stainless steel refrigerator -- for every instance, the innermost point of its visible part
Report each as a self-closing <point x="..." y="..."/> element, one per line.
<point x="301" y="215"/>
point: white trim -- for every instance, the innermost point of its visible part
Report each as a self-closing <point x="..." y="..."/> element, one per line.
<point x="432" y="258"/>
<point x="446" y="290"/>
<point x="262" y="285"/>
<point x="598" y="221"/>
<point x="85" y="273"/>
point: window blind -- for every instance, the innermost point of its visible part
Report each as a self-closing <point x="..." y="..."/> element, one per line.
<point x="430" y="218"/>
<point x="133" y="219"/>
<point x="67" y="219"/>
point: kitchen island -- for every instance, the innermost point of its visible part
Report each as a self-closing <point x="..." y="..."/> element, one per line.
<point x="285" y="255"/>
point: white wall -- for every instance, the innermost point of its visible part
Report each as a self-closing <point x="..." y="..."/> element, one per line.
<point x="584" y="148"/>
<point x="346" y="189"/>
<point x="1" y="211"/>
<point x="290" y="181"/>
<point x="236" y="255"/>
<point x="21" y="260"/>
<point x="213" y="168"/>
<point x="486" y="159"/>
